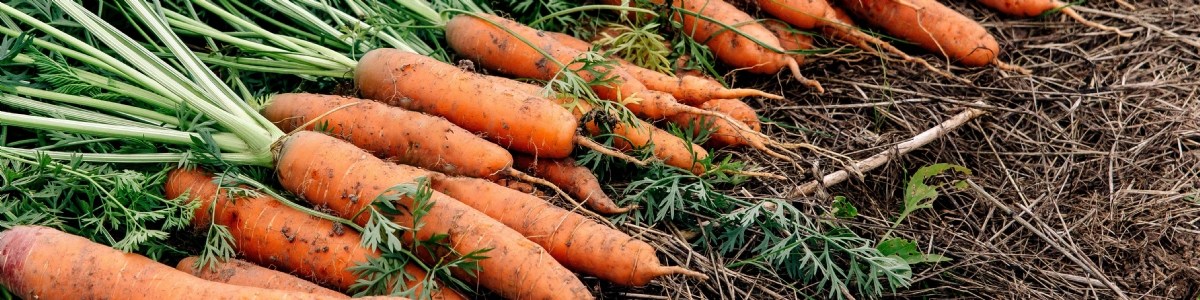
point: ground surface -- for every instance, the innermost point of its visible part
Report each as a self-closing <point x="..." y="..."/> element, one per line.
<point x="1085" y="174"/>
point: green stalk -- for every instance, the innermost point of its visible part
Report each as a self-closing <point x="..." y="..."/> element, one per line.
<point x="68" y="112"/>
<point x="224" y="141"/>
<point x="97" y="104"/>
<point x="139" y="158"/>
<point x="592" y="7"/>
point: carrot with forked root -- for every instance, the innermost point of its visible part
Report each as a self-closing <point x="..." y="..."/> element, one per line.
<point x="39" y="262"/>
<point x="242" y="273"/>
<point x="269" y="233"/>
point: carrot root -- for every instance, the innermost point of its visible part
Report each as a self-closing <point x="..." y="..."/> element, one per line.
<point x="758" y="174"/>
<point x="795" y="67"/>
<point x="1010" y="67"/>
<point x="665" y="270"/>
<point x="529" y="178"/>
<point x="1075" y="15"/>
<point x="754" y="92"/>
<point x="590" y="144"/>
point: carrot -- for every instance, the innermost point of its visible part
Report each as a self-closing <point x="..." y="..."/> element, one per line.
<point x="405" y="136"/>
<point x="687" y="90"/>
<point x="1033" y="8"/>
<point x="934" y="27"/>
<point x="373" y="126"/>
<point x="495" y="48"/>
<point x="331" y="173"/>
<point x="421" y="83"/>
<point x="789" y="39"/>
<point x="268" y="233"/>
<point x="242" y="273"/>
<point x="577" y="180"/>
<point x="482" y="104"/>
<point x="720" y="137"/>
<point x="669" y="148"/>
<point x="731" y="47"/>
<point x="579" y="243"/>
<point x="39" y="262"/>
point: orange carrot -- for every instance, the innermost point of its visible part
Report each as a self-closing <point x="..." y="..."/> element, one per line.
<point x="813" y="14"/>
<point x="486" y="105"/>
<point x="1033" y="8"/>
<point x="720" y="137"/>
<point x="477" y="38"/>
<point x="408" y="137"/>
<point x="686" y="89"/>
<point x="39" y="262"/>
<point x="577" y="180"/>
<point x="789" y="39"/>
<point x="579" y="243"/>
<point x="731" y="47"/>
<point x="331" y="173"/>
<point x="934" y="27"/>
<point x="268" y="233"/>
<point x="242" y="273"/>
<point x="527" y="124"/>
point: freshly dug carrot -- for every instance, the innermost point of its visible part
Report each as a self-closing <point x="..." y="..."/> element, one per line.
<point x="575" y="179"/>
<point x="242" y="273"/>
<point x="720" y="137"/>
<point x="269" y="233"/>
<point x="39" y="262"/>
<point x="579" y="243"/>
<point x="731" y="47"/>
<point x="934" y="27"/>
<point x="687" y="90"/>
<point x="1033" y="8"/>
<point x="496" y="48"/>
<point x="789" y="39"/>
<point x="420" y="83"/>
<point x="482" y="104"/>
<point x="408" y="137"/>
<point x="328" y="172"/>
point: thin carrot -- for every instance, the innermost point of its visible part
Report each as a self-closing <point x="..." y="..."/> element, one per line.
<point x="579" y="243"/>
<point x="242" y="273"/>
<point x="494" y="47"/>
<point x="789" y="39"/>
<point x="686" y="89"/>
<point x="44" y="263"/>
<point x="577" y="180"/>
<point x="331" y="173"/>
<point x="934" y="27"/>
<point x="731" y="47"/>
<point x="719" y="137"/>
<point x="482" y="104"/>
<point x="269" y="233"/>
<point x="1033" y="8"/>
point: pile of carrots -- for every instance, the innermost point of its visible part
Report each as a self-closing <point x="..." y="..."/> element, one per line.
<point x="474" y="137"/>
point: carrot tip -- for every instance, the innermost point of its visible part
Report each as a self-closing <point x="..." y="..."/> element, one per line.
<point x="684" y="271"/>
<point x="1075" y="15"/>
<point x="1009" y="67"/>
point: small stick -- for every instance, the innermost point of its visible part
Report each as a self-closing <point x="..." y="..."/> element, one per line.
<point x="1074" y="15"/>
<point x="1126" y="5"/>
<point x="883" y="157"/>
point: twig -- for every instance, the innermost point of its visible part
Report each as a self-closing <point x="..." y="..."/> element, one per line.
<point x="883" y="157"/>
<point x="1070" y="255"/>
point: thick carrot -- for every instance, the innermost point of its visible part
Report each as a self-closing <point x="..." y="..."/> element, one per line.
<point x="39" y="262"/>
<point x="934" y="27"/>
<point x="496" y="48"/>
<point x="416" y="82"/>
<point x="242" y="273"/>
<point x="789" y="39"/>
<point x="579" y="243"/>
<point x="1033" y="8"/>
<point x="687" y="90"/>
<point x="269" y="233"/>
<point x="331" y="173"/>
<point x="486" y="105"/>
<point x="577" y="180"/>
<point x="408" y="137"/>
<point x="731" y="47"/>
